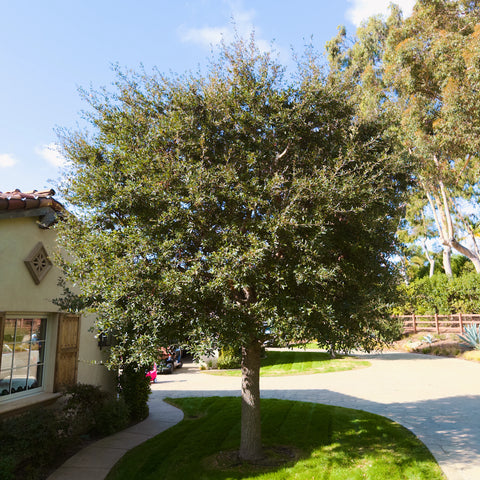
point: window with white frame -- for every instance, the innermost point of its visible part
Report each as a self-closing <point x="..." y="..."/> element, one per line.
<point x="23" y="354"/>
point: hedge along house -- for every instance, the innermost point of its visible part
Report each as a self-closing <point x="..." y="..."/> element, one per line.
<point x="43" y="350"/>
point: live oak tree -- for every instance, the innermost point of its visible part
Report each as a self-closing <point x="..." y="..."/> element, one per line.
<point x="210" y="207"/>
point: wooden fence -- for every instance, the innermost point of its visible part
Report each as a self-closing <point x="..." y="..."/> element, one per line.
<point x="438" y="323"/>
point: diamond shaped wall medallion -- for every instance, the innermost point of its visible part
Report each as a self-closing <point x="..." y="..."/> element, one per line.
<point x="38" y="263"/>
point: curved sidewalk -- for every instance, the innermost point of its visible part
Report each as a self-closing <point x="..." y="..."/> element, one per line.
<point x="95" y="461"/>
<point x="438" y="399"/>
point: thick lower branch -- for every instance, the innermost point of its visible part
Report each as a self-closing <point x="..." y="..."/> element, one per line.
<point x="468" y="253"/>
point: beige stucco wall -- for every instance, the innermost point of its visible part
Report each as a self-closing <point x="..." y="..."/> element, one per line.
<point x="20" y="295"/>
<point x="18" y="291"/>
<point x="90" y="359"/>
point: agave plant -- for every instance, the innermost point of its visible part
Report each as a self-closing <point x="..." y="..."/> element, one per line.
<point x="471" y="337"/>
<point x="428" y="339"/>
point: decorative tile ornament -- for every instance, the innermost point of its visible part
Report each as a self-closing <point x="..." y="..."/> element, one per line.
<point x="38" y="263"/>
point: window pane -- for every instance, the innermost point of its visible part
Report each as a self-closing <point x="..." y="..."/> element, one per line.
<point x="35" y="355"/>
<point x="9" y="333"/>
<point x="7" y="356"/>
<point x="5" y="378"/>
<point x="19" y="383"/>
<point x="37" y="379"/>
<point x="24" y="330"/>
<point x="22" y="351"/>
<point x="23" y="355"/>
<point x="35" y="376"/>
<point x="39" y="346"/>
<point x="38" y="329"/>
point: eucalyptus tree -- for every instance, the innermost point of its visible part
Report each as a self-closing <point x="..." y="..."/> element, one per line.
<point x="414" y="233"/>
<point x="421" y="73"/>
<point x="214" y="206"/>
<point x="431" y="60"/>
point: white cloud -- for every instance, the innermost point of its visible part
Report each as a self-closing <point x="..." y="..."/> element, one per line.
<point x="241" y="22"/>
<point x="51" y="154"/>
<point x="206" y="36"/>
<point x="7" y="160"/>
<point x="362" y="9"/>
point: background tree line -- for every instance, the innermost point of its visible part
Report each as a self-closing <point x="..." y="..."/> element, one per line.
<point x="423" y="74"/>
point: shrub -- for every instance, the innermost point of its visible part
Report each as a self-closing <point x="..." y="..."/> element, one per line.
<point x="472" y="355"/>
<point x="89" y="410"/>
<point x="464" y="293"/>
<point x="7" y="466"/>
<point x="111" y="417"/>
<point x="29" y="443"/>
<point x="135" y="390"/>
<point x="229" y="358"/>
<point x="81" y="406"/>
<point x="440" y="294"/>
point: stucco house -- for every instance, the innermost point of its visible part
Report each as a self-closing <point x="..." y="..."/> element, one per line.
<point x="42" y="349"/>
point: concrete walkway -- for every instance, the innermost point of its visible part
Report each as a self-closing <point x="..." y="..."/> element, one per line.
<point x="95" y="461"/>
<point x="438" y="399"/>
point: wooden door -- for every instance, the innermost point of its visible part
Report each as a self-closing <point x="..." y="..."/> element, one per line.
<point x="66" y="361"/>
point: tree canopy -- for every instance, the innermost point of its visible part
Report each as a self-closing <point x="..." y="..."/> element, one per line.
<point x="212" y="206"/>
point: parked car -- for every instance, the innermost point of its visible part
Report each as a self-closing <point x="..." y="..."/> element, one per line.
<point x="170" y="359"/>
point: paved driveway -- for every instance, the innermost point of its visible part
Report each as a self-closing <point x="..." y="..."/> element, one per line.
<point x="436" y="398"/>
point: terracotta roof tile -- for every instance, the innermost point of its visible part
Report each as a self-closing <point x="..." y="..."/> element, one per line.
<point x="17" y="200"/>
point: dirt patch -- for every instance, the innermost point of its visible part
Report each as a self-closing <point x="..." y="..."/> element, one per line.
<point x="274" y="456"/>
<point x="444" y="344"/>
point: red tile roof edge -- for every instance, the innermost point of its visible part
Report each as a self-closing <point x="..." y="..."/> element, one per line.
<point x="18" y="200"/>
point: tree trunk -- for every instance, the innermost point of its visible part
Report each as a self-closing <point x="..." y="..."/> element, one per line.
<point x="447" y="260"/>
<point x="251" y="433"/>
<point x="432" y="267"/>
<point x="440" y="216"/>
<point x="430" y="259"/>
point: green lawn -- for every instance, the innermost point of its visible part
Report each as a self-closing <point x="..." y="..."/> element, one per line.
<point x="334" y="444"/>
<point x="311" y="345"/>
<point x="298" y="362"/>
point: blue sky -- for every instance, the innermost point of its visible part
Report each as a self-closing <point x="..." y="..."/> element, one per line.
<point x="50" y="48"/>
